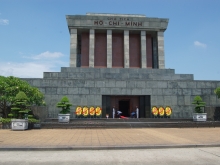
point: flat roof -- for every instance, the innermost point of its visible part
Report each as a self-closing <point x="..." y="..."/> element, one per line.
<point x="116" y="15"/>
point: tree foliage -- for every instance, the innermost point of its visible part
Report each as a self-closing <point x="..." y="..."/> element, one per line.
<point x="217" y="92"/>
<point x="20" y="107"/>
<point x="65" y="105"/>
<point x="199" y="104"/>
<point x="10" y="87"/>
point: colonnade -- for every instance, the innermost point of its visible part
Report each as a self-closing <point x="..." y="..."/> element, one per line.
<point x="158" y="49"/>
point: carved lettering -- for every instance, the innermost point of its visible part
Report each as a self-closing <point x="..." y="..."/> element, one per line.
<point x="127" y="24"/>
<point x="134" y="23"/>
<point x="124" y="19"/>
<point x="111" y="18"/>
<point x="139" y="23"/>
<point x="95" y="22"/>
<point x="115" y="23"/>
<point x="100" y="22"/>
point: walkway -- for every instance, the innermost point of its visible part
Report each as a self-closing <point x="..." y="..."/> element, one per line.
<point x="58" y="139"/>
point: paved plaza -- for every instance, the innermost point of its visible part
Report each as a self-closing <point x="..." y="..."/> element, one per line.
<point x="67" y="139"/>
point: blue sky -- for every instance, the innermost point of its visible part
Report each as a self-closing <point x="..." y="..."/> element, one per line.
<point x="34" y="36"/>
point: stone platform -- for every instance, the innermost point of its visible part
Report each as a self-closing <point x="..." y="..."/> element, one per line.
<point x="127" y="123"/>
<point x="154" y="87"/>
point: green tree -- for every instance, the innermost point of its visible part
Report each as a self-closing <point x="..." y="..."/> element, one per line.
<point x="20" y="107"/>
<point x="199" y="104"/>
<point x="10" y="87"/>
<point x="217" y="92"/>
<point x="65" y="105"/>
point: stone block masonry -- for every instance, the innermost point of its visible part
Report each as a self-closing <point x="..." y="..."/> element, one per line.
<point x="73" y="47"/>
<point x="131" y="50"/>
<point x="119" y="59"/>
<point x="86" y="86"/>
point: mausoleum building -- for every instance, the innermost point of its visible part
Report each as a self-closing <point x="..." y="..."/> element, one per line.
<point x="118" y="60"/>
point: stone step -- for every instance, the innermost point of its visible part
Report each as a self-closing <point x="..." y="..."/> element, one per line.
<point x="115" y="70"/>
<point x="117" y="76"/>
<point x="116" y="120"/>
<point x="136" y="123"/>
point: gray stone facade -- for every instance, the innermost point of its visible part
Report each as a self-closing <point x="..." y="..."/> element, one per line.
<point x="86" y="86"/>
<point x="126" y="49"/>
<point x="109" y="48"/>
<point x="94" y="86"/>
<point x="118" y="22"/>
<point x="143" y="49"/>
<point x="91" y="47"/>
<point x="160" y="41"/>
<point x="73" y="47"/>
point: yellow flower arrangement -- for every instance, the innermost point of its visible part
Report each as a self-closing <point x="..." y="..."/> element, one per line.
<point x="154" y="111"/>
<point x="91" y="111"/>
<point x="161" y="111"/>
<point x="85" y="111"/>
<point x="78" y="111"/>
<point x="168" y="111"/>
<point x="98" y="111"/>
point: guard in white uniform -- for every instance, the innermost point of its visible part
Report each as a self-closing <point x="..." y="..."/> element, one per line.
<point x="113" y="113"/>
<point x="137" y="112"/>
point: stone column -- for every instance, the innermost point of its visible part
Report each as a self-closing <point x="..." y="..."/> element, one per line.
<point x="160" y="42"/>
<point x="73" y="47"/>
<point x="143" y="50"/>
<point x="109" y="48"/>
<point x="126" y="49"/>
<point x="91" y="47"/>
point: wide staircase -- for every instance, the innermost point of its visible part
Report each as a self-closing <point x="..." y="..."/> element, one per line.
<point x="103" y="123"/>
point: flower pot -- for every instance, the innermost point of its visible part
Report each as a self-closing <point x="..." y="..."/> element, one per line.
<point x="199" y="116"/>
<point x="64" y="118"/>
<point x="19" y="124"/>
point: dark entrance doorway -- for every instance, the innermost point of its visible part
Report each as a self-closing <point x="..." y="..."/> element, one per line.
<point x="124" y="107"/>
<point x="127" y="104"/>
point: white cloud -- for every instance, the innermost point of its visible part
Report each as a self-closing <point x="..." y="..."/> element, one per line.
<point x="46" y="55"/>
<point x="33" y="68"/>
<point x="23" y="70"/>
<point x="4" y="22"/>
<point x="199" y="44"/>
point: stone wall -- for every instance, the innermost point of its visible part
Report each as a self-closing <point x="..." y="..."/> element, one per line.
<point x="119" y="47"/>
<point x="85" y="87"/>
<point x="117" y="21"/>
